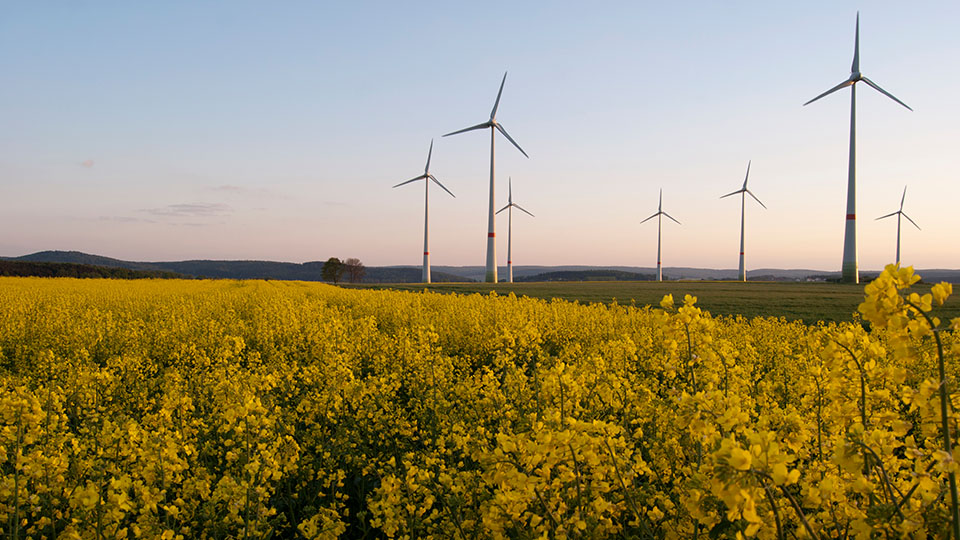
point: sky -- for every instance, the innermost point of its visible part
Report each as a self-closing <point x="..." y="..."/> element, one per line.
<point x="176" y="130"/>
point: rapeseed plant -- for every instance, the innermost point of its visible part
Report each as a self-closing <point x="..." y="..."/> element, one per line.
<point x="213" y="409"/>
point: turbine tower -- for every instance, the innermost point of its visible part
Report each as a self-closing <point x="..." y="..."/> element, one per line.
<point x="743" y="199"/>
<point x="509" y="207"/>
<point x="659" y="217"/>
<point x="494" y="126"/>
<point x="849" y="268"/>
<point x="426" y="210"/>
<point x="900" y="213"/>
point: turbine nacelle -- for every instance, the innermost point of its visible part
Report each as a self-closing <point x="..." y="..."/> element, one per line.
<point x="511" y="204"/>
<point x="492" y="123"/>
<point x="426" y="174"/>
<point x="660" y="212"/>
<point x="900" y="211"/>
<point x="744" y="189"/>
<point x="856" y="76"/>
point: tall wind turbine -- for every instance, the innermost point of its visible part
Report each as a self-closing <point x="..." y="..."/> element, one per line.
<point x="491" y="228"/>
<point x="743" y="199"/>
<point x="849" y="269"/>
<point x="427" y="177"/>
<point x="509" y="207"/>
<point x="900" y="213"/>
<point x="659" y="217"/>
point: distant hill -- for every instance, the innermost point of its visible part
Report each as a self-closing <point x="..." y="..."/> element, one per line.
<point x="308" y="271"/>
<point x="588" y="275"/>
<point x="409" y="274"/>
<point x="54" y="269"/>
<point x="311" y="271"/>
<point x="669" y="272"/>
<point x="76" y="257"/>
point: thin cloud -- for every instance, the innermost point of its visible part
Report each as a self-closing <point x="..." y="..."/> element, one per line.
<point x="126" y="219"/>
<point x="190" y="224"/>
<point x="241" y="191"/>
<point x="190" y="210"/>
<point x="228" y="188"/>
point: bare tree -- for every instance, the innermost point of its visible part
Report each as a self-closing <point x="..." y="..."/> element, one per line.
<point x="354" y="270"/>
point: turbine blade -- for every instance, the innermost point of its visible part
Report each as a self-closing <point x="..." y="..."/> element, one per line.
<point x="502" y="209"/>
<point x="844" y="84"/>
<point x="671" y="217"/>
<point x="434" y="178"/>
<point x="510" y="184"/>
<point x="426" y="170"/>
<point x="421" y="177"/>
<point x="911" y="221"/>
<point x="756" y="199"/>
<point x="855" y="68"/>
<point x="471" y="128"/>
<point x="518" y="207"/>
<point x="903" y="198"/>
<point x="886" y="216"/>
<point x="747" y="177"/>
<point x="651" y="217"/>
<point x="733" y="193"/>
<point x="884" y="92"/>
<point x="509" y="138"/>
<point x="496" y="104"/>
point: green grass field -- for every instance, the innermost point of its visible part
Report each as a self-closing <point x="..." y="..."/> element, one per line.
<point x="809" y="302"/>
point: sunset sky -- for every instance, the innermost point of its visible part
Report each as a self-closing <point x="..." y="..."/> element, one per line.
<point x="275" y="130"/>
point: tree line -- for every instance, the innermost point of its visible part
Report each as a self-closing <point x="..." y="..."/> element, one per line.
<point x="334" y="270"/>
<point x="73" y="270"/>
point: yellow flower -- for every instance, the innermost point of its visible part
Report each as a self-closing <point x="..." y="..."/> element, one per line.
<point x="941" y="291"/>
<point x="739" y="459"/>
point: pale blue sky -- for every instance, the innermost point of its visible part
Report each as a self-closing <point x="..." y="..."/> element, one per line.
<point x="256" y="130"/>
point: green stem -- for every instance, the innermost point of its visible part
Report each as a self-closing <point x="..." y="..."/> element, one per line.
<point x="954" y="507"/>
<point x="773" y="506"/>
<point x="16" y="474"/>
<point x="693" y="375"/>
<point x="863" y="385"/>
<point x="883" y="476"/>
<point x="793" y="502"/>
<point x="623" y="485"/>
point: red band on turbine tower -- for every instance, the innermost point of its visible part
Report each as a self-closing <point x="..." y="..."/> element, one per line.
<point x="426" y="252"/>
<point x="491" y="234"/>
<point x="509" y="262"/>
<point x="851" y="216"/>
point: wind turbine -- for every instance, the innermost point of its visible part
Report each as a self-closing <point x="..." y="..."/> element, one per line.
<point x="900" y="213"/>
<point x="849" y="268"/>
<point x="491" y="228"/>
<point x="510" y="206"/>
<point x="658" y="215"/>
<point x="426" y="210"/>
<point x="743" y="199"/>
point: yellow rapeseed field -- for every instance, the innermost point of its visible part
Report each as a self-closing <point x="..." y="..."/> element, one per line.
<point x="225" y="409"/>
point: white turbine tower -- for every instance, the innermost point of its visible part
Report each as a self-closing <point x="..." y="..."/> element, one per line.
<point x="509" y="207"/>
<point x="659" y="217"/>
<point x="743" y="200"/>
<point x="426" y="210"/>
<point x="849" y="269"/>
<point x="491" y="229"/>
<point x="900" y="213"/>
